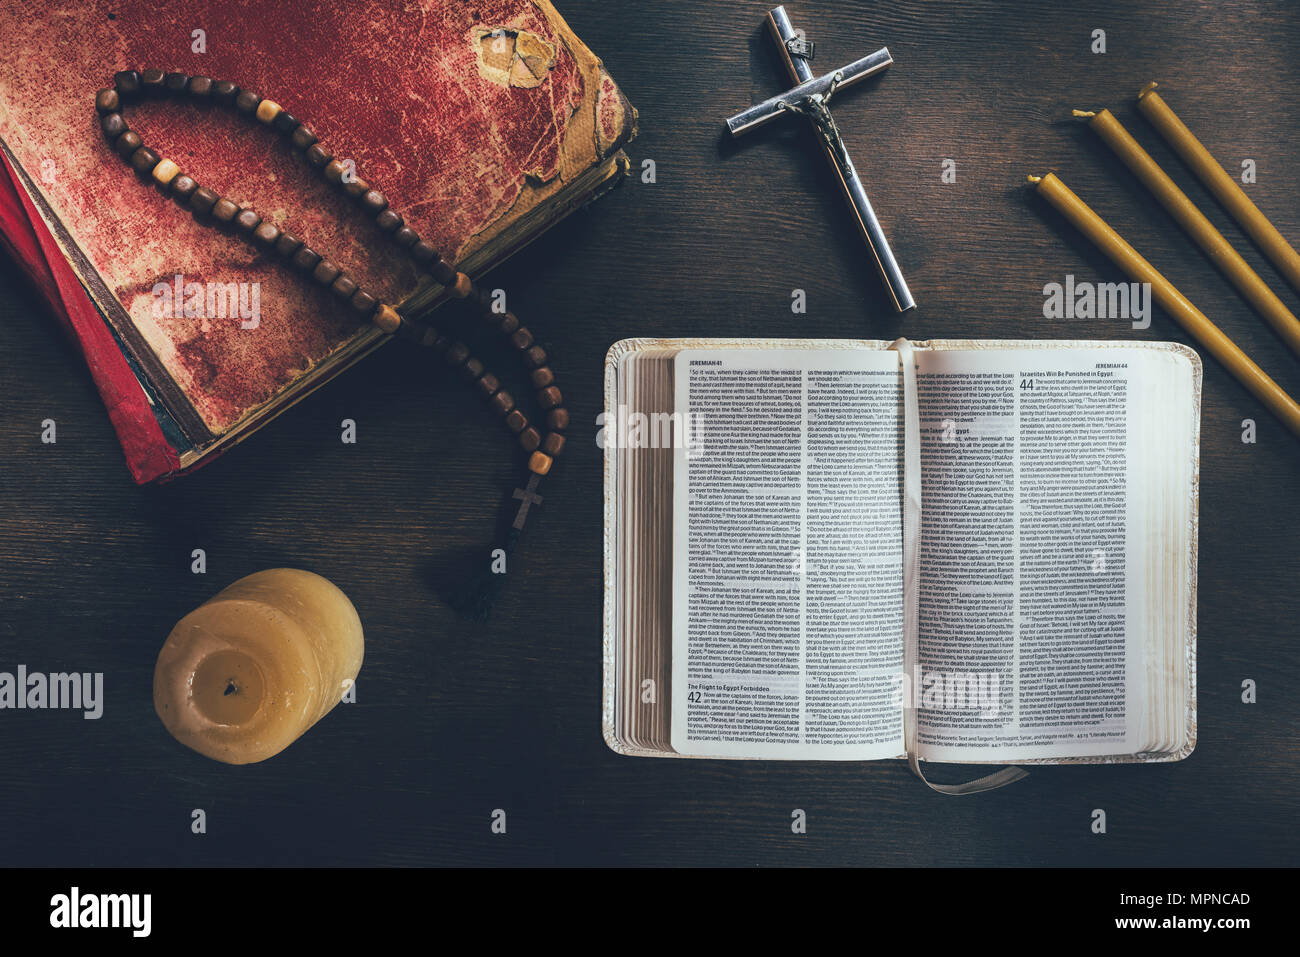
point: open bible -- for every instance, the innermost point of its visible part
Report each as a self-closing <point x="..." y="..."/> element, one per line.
<point x="759" y="560"/>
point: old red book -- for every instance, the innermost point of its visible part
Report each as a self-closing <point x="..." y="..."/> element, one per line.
<point x="484" y="124"/>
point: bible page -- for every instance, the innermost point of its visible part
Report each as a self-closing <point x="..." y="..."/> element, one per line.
<point x="787" y="578"/>
<point x="1043" y="575"/>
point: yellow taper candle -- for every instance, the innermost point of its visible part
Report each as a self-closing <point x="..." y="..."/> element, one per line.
<point x="1218" y="182"/>
<point x="242" y="676"/>
<point x="1170" y="299"/>
<point x="1184" y="211"/>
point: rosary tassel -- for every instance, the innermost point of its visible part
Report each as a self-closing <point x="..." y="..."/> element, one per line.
<point x="473" y="597"/>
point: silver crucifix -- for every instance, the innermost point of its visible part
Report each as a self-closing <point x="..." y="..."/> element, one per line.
<point x="809" y="99"/>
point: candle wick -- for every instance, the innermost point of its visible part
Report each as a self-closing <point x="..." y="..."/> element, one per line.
<point x="1084" y="114"/>
<point x="231" y="688"/>
<point x="1034" y="179"/>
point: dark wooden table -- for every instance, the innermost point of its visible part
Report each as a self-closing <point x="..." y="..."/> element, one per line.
<point x="456" y="719"/>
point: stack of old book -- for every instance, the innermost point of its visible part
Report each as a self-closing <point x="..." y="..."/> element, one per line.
<point x="484" y="123"/>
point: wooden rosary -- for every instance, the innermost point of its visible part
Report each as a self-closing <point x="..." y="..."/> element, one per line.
<point x="131" y="85"/>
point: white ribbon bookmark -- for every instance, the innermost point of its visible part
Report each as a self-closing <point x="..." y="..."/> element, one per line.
<point x="912" y="582"/>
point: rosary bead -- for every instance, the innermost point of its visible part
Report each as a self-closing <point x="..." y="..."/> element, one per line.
<point x="203" y="200"/>
<point x="553" y="444"/>
<point x="508" y="324"/>
<point x="539" y="462"/>
<point x="503" y="401"/>
<point x="550" y="397"/>
<point x="151" y="82"/>
<point x="306" y="258"/>
<point x="521" y="339"/>
<point x="128" y="143"/>
<point x="442" y="343"/>
<point x="356" y="187"/>
<point x="472" y="369"/>
<point x="224" y="92"/>
<point x="373" y="202"/>
<point x="460" y="286"/>
<point x="388" y="221"/>
<point x="529" y="439"/>
<point x="224" y="211"/>
<point x="285" y="123"/>
<point x="406" y="237"/>
<point x="423" y="254"/>
<point x="516" y="422"/>
<point x="326" y="272"/>
<point x="201" y="87"/>
<point x="442" y="272"/>
<point x="143" y="160"/>
<point x="302" y="138"/>
<point x="344" y="286"/>
<point x="333" y="170"/>
<point x="267" y="111"/>
<point x="126" y="82"/>
<point x="165" y="172"/>
<point x="287" y="244"/>
<point x="386" y="318"/>
<point x="481" y="299"/>
<point x="557" y="419"/>
<point x="318" y="156"/>
<point x="265" y="234"/>
<point x="107" y="101"/>
<point x="246" y="220"/>
<point x="176" y="82"/>
<point x="457" y="353"/>
<point x="542" y="377"/>
<point x="113" y="125"/>
<point x="535" y="357"/>
<point x="363" y="302"/>
<point x="411" y="331"/>
<point x="246" y="101"/>
<point x="488" y="384"/>
<point x="183" y="187"/>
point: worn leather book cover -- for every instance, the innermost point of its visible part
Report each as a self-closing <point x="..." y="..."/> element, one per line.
<point x="483" y="123"/>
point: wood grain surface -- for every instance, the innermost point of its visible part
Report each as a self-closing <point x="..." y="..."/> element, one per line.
<point x="456" y="719"/>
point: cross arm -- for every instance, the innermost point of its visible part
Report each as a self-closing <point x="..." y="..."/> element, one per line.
<point x="762" y="113"/>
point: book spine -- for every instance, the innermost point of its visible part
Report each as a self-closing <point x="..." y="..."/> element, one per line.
<point x="148" y="454"/>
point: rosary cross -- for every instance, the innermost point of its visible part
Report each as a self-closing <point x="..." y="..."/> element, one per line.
<point x="527" y="498"/>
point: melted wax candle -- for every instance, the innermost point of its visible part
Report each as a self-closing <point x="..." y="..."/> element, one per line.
<point x="246" y="673"/>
